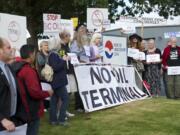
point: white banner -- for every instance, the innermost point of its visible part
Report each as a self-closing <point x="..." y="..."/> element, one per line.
<point x="104" y="86"/>
<point x="13" y="28"/>
<point x="171" y="34"/>
<point x="115" y="50"/>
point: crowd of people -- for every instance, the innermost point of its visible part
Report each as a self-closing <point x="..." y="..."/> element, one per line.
<point x="152" y="72"/>
<point x="22" y="98"/>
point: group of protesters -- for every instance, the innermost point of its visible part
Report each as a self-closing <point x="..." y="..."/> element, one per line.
<point x="152" y="72"/>
<point x="21" y="93"/>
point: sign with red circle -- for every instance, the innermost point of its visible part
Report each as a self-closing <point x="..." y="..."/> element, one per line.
<point x="14" y="31"/>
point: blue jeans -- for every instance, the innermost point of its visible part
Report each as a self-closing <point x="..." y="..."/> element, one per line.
<point x="33" y="127"/>
<point x="59" y="93"/>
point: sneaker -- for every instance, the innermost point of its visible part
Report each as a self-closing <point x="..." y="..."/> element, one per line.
<point x="64" y="124"/>
<point x="53" y="123"/>
<point x="80" y="110"/>
<point x="68" y="114"/>
<point x="66" y="118"/>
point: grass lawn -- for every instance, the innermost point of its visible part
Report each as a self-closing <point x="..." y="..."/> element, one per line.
<point x="157" y="116"/>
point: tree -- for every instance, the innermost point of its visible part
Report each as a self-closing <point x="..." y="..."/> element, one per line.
<point x="34" y="9"/>
<point x="165" y="8"/>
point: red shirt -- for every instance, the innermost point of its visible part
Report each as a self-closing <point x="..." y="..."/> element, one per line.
<point x="31" y="79"/>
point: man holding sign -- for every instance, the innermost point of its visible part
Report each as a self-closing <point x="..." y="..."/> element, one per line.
<point x="171" y="59"/>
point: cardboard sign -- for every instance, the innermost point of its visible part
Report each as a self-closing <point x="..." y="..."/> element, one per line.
<point x="175" y="70"/>
<point x="96" y="17"/>
<point x="153" y="58"/>
<point x="51" y="22"/>
<point x="13" y="28"/>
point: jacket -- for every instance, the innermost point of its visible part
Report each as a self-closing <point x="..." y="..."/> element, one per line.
<point x="58" y="66"/>
<point x="30" y="88"/>
<point x="5" y="101"/>
<point x="63" y="51"/>
<point x="166" y="55"/>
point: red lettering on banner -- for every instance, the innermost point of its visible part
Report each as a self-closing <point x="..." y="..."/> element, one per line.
<point x="52" y="17"/>
<point x="55" y="26"/>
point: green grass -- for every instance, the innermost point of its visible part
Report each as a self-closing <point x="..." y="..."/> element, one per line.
<point x="157" y="116"/>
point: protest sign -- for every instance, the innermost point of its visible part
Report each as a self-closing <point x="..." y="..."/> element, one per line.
<point x="175" y="70"/>
<point x="13" y="28"/>
<point x="103" y="86"/>
<point x="153" y="58"/>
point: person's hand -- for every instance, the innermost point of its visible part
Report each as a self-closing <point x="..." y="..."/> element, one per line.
<point x="8" y="125"/>
<point x="98" y="56"/>
<point x="51" y="92"/>
<point x="66" y="58"/>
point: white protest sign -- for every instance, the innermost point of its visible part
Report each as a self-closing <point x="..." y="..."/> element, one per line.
<point x="103" y="86"/>
<point x="46" y="87"/>
<point x="13" y="28"/>
<point x="51" y="23"/>
<point x="74" y="59"/>
<point x="153" y="58"/>
<point x="142" y="56"/>
<point x="21" y="130"/>
<point x="136" y="54"/>
<point x="67" y="25"/>
<point x="175" y="70"/>
<point x="132" y="52"/>
<point x="115" y="50"/>
<point x="96" y="18"/>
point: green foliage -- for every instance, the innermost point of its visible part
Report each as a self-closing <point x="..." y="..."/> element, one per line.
<point x="33" y="10"/>
<point x="165" y="8"/>
<point x="157" y="116"/>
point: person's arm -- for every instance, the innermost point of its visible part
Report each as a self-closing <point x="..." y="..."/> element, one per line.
<point x="164" y="58"/>
<point x="32" y="83"/>
<point x="56" y="62"/>
<point x="93" y="57"/>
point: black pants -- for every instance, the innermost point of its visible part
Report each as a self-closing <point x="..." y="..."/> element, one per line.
<point x="78" y="101"/>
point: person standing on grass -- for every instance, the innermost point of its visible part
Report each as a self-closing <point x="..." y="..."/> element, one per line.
<point x="135" y="43"/>
<point x="41" y="61"/>
<point x="58" y="84"/>
<point x="153" y="69"/>
<point x="10" y="101"/>
<point x="31" y="92"/>
<point x="171" y="58"/>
